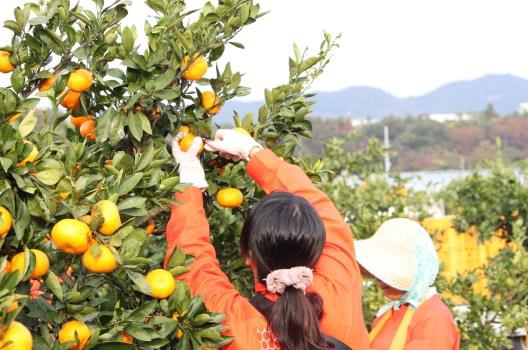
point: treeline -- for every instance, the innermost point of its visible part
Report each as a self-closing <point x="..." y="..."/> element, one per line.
<point x="419" y="143"/>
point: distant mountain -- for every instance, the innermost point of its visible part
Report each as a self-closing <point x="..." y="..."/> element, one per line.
<point x="506" y="92"/>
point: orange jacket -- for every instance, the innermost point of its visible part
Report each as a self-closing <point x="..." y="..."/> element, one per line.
<point x="432" y="327"/>
<point x="336" y="274"/>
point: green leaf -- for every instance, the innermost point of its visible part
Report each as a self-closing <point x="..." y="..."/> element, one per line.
<point x="165" y="79"/>
<point x="29" y="103"/>
<point x="211" y="334"/>
<point x="201" y="319"/>
<point x="297" y="53"/>
<point x="49" y="177"/>
<point x="216" y="53"/>
<point x="134" y="202"/>
<point x="269" y="98"/>
<point x="145" y="124"/>
<point x="135" y="125"/>
<point x="169" y="183"/>
<point x="17" y="79"/>
<point x="21" y="223"/>
<point x="123" y="161"/>
<point x="146" y="157"/>
<point x="103" y="125"/>
<point x="53" y="172"/>
<point x="113" y="346"/>
<point x="195" y="306"/>
<point x="309" y="63"/>
<point x="13" y="26"/>
<point x="127" y="36"/>
<point x="167" y="94"/>
<point x="140" y="282"/>
<point x="156" y="5"/>
<point x="139" y="332"/>
<point x="179" y="270"/>
<point x="177" y="258"/>
<point x="39" y="20"/>
<point x="28" y="124"/>
<point x="53" y="283"/>
<point x="143" y="311"/>
<point x="129" y="183"/>
<point x="132" y="244"/>
<point x="117" y="132"/>
<point x="6" y="163"/>
<point x="235" y="44"/>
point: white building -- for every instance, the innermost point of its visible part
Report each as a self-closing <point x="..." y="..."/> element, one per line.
<point x="449" y="117"/>
<point x="523" y="108"/>
<point x="357" y="122"/>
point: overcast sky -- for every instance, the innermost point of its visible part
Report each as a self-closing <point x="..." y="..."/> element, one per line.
<point x="406" y="47"/>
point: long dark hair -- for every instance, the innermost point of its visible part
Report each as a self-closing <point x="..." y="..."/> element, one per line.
<point x="283" y="231"/>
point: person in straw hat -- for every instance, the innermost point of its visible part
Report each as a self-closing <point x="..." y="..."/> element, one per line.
<point x="402" y="259"/>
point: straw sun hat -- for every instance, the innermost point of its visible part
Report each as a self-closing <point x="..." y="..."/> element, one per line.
<point x="389" y="255"/>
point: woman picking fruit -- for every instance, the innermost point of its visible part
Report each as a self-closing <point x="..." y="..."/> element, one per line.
<point x="299" y="248"/>
<point x="402" y="259"/>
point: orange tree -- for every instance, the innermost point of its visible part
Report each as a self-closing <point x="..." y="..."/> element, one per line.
<point x="85" y="190"/>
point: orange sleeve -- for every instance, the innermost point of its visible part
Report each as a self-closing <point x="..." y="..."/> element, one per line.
<point x="434" y="333"/>
<point x="188" y="229"/>
<point x="338" y="258"/>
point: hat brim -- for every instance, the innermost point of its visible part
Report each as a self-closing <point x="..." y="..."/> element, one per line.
<point x="385" y="263"/>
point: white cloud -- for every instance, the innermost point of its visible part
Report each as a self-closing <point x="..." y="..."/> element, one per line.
<point x="407" y="47"/>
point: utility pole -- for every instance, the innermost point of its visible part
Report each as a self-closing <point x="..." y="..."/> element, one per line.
<point x="387" y="145"/>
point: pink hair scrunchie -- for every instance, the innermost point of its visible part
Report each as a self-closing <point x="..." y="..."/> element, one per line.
<point x="299" y="277"/>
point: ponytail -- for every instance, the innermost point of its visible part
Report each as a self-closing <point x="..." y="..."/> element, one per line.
<point x="294" y="319"/>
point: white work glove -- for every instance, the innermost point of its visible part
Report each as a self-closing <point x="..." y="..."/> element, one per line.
<point x="191" y="170"/>
<point x="232" y="144"/>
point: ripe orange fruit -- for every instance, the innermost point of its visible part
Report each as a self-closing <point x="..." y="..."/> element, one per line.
<point x="67" y="334"/>
<point x="41" y="263"/>
<point x="78" y="121"/>
<point x="185" y="129"/>
<point x="71" y="236"/>
<point x="229" y="197"/>
<point x="126" y="338"/>
<point x="401" y="192"/>
<point x="150" y="226"/>
<point x="71" y="99"/>
<point x="12" y="307"/>
<point x="194" y="70"/>
<point x="5" y="64"/>
<point x="63" y="195"/>
<point x="105" y="262"/>
<point x="243" y="131"/>
<point x="87" y="219"/>
<point x="88" y="129"/>
<point x="7" y="267"/>
<point x="161" y="283"/>
<point x="80" y="80"/>
<point x="13" y="118"/>
<point x="186" y="142"/>
<point x="179" y="333"/>
<point x="18" y="337"/>
<point x="175" y="315"/>
<point x="110" y="214"/>
<point x="30" y="157"/>
<point x="211" y="102"/>
<point x="47" y="84"/>
<point x="6" y="221"/>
